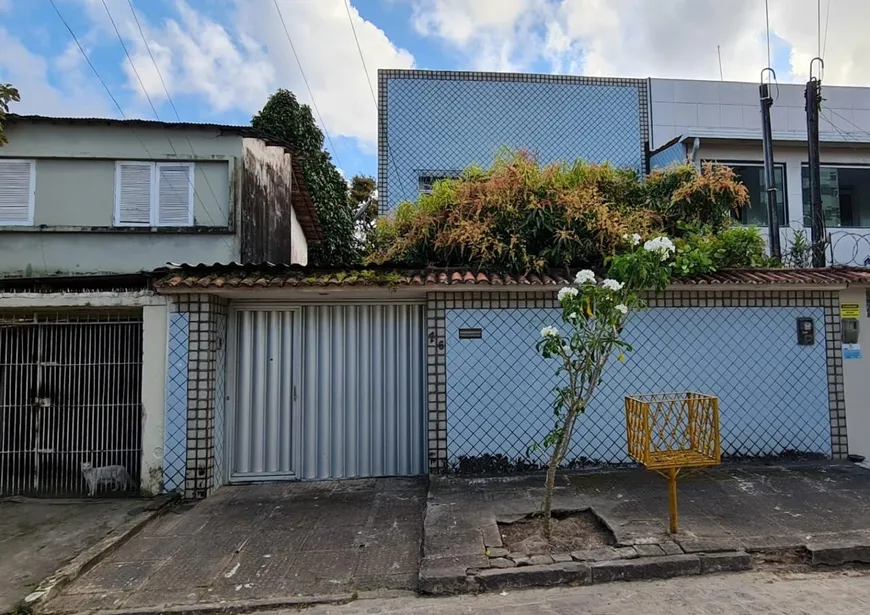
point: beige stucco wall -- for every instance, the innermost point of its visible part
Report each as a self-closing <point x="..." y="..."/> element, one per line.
<point x="856" y="379"/>
<point x="35" y="253"/>
<point x="75" y="186"/>
<point x="298" y="242"/>
<point x="81" y="192"/>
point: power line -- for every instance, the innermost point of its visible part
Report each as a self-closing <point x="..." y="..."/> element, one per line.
<point x="132" y="65"/>
<point x="154" y="61"/>
<point x="359" y="49"/>
<point x="819" y="25"/>
<point x="308" y="87"/>
<point x="371" y="88"/>
<point x="87" y="59"/>
<point x="96" y="73"/>
<point x="169" y="98"/>
<point x="112" y="97"/>
<point x="827" y="18"/>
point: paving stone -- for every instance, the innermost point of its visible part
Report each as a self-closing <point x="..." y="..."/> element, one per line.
<point x="648" y="550"/>
<point x="461" y="562"/>
<point x="707" y="545"/>
<point x="626" y="552"/>
<point x="597" y="555"/>
<point x="561" y="558"/>
<point x="491" y="535"/>
<point x="540" y="560"/>
<point x="835" y="553"/>
<point x="725" y="562"/>
<point x="452" y="543"/>
<point x="521" y="560"/>
<point x="497" y="552"/>
<point x="569" y="573"/>
<point x="501" y="562"/>
<point x="671" y="548"/>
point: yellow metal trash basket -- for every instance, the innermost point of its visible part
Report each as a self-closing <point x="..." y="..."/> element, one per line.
<point x="668" y="432"/>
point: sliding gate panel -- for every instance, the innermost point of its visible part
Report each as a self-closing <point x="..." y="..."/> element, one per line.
<point x="261" y="438"/>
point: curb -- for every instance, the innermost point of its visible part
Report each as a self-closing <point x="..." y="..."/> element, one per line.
<point x="839" y="552"/>
<point x="444" y="581"/>
<point x="251" y="606"/>
<point x="87" y="559"/>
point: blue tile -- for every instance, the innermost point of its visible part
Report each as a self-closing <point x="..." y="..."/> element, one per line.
<point x="773" y="393"/>
<point x="175" y="433"/>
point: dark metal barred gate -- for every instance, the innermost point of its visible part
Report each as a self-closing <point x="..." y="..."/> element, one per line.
<point x="70" y="393"/>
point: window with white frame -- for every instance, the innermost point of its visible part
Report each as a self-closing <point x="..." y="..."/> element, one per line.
<point x="17" y="191"/>
<point x="154" y="193"/>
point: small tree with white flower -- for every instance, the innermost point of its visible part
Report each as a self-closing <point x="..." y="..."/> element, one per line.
<point x="594" y="316"/>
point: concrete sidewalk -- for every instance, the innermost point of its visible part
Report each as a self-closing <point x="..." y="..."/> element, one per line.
<point x="264" y="542"/>
<point x="730" y="509"/>
<point x="37" y="536"/>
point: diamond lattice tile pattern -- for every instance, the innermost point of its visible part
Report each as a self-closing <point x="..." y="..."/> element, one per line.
<point x="773" y="393"/>
<point x="437" y="127"/>
<point x="175" y="435"/>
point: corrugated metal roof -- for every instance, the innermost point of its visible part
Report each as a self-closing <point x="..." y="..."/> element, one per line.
<point x="268" y="275"/>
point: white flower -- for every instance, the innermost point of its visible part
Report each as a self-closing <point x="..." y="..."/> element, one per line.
<point x="549" y="332"/>
<point x="568" y="291"/>
<point x="622" y="308"/>
<point x="612" y="284"/>
<point x="662" y="246"/>
<point x="573" y="316"/>
<point x="633" y="239"/>
<point x="584" y="277"/>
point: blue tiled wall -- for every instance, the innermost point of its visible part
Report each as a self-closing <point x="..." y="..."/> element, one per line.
<point x="675" y="154"/>
<point x="175" y="428"/>
<point x="773" y="393"/>
<point x="447" y="124"/>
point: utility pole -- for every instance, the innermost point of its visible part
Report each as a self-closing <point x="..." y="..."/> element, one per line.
<point x="813" y="97"/>
<point x="770" y="183"/>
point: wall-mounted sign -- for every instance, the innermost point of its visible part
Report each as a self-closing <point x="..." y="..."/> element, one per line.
<point x="851" y="351"/>
<point x="470" y="334"/>
<point x="849" y="310"/>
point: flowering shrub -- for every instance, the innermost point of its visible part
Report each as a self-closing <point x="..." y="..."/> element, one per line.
<point x="594" y="315"/>
<point x="521" y="216"/>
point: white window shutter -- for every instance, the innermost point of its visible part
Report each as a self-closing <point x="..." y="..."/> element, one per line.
<point x="16" y="192"/>
<point x="174" y="194"/>
<point x="134" y="193"/>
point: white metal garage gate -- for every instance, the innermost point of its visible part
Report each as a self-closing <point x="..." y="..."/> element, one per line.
<point x="70" y="393"/>
<point x="320" y="391"/>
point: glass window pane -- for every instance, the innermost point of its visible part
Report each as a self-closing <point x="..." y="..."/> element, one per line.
<point x="845" y="196"/>
<point x="752" y="176"/>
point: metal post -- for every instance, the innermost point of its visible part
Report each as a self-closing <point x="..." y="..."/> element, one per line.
<point x="767" y="146"/>
<point x="672" y="500"/>
<point x="817" y="219"/>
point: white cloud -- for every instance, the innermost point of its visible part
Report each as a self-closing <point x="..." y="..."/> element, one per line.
<point x="641" y="38"/>
<point x="492" y="35"/>
<point x="323" y="39"/>
<point x="235" y="67"/>
<point x="70" y="93"/>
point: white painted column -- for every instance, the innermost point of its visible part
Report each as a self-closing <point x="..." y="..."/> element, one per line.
<point x="155" y="333"/>
<point x="856" y="379"/>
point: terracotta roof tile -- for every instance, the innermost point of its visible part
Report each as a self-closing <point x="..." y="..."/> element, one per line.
<point x="269" y="275"/>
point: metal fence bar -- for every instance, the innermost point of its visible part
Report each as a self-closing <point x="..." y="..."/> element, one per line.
<point x="71" y="393"/>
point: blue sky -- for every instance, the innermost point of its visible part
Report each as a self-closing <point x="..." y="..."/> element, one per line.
<point x="220" y="59"/>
